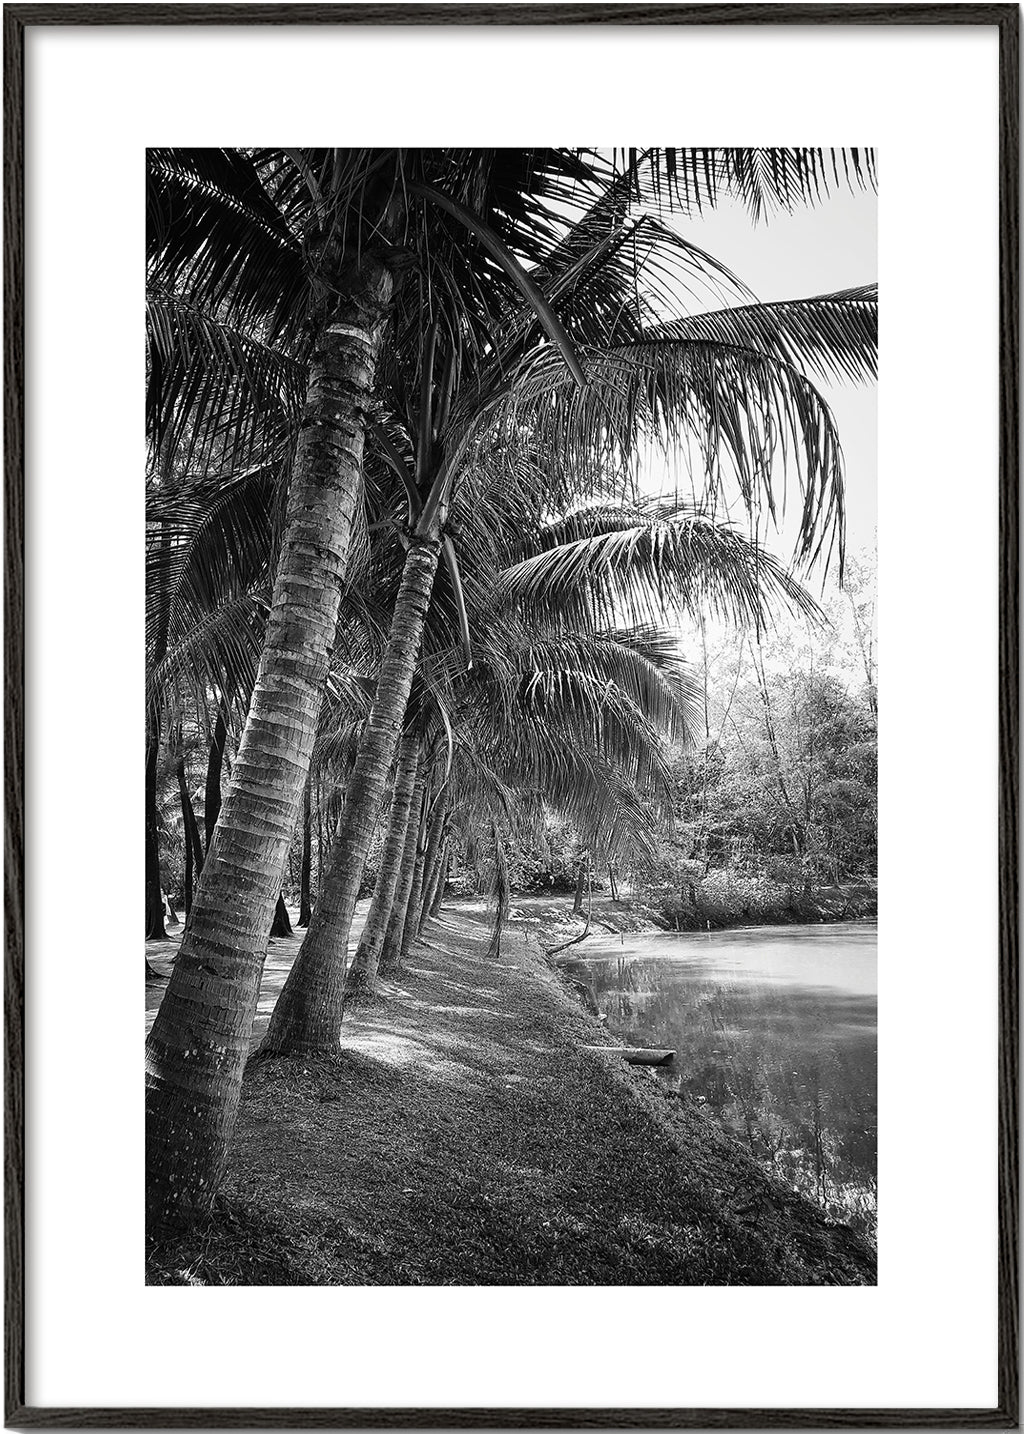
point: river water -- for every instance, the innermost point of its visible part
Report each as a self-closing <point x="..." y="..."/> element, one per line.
<point x="775" y="1031"/>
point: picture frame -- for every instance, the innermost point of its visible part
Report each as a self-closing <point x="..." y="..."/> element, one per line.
<point x="23" y="20"/>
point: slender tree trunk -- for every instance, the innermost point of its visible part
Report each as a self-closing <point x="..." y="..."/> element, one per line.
<point x="432" y="865"/>
<point x="307" y="855"/>
<point x="431" y="877"/>
<point x="362" y="975"/>
<point x="391" y="949"/>
<point x="319" y="839"/>
<point x="581" y="886"/>
<point x="411" y="925"/>
<point x="187" y="892"/>
<point x="211" y="810"/>
<point x="154" y="896"/>
<point x="613" y="890"/>
<point x="193" y="841"/>
<point x="308" y="1013"/>
<point x="439" y="890"/>
<point x="281" y="924"/>
<point x="200" y="1038"/>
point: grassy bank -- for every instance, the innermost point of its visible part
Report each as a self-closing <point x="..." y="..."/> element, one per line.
<point x="717" y="904"/>
<point x="724" y="900"/>
<point x="464" y="1136"/>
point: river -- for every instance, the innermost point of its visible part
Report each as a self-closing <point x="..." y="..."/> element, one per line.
<point x="775" y="1031"/>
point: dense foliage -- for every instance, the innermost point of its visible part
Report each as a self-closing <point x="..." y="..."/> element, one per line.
<point x="409" y="612"/>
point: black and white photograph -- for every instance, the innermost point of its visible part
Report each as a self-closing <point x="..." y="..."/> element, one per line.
<point x="511" y="717"/>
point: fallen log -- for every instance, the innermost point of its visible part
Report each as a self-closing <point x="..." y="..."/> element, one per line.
<point x="637" y="1055"/>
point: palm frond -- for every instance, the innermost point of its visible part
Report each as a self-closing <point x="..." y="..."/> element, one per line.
<point x="214" y="391"/>
<point x="765" y="181"/>
<point x="206" y="543"/>
<point x="220" y="651"/>
<point x="833" y="335"/>
<point x="216" y="235"/>
<point x="607" y="565"/>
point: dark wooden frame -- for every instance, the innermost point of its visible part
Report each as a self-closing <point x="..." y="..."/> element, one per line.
<point x="17" y="18"/>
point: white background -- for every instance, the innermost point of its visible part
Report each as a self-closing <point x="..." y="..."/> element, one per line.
<point x="927" y="99"/>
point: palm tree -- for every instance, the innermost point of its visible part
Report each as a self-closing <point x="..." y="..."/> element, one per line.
<point x="647" y="388"/>
<point x="551" y="669"/>
<point x="193" y="1083"/>
<point x="301" y="247"/>
<point x="283" y="264"/>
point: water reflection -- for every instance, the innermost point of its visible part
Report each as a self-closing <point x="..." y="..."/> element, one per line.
<point x="775" y="1029"/>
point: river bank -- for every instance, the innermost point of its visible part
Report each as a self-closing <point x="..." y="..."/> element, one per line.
<point x="720" y="905"/>
<point x="465" y="1135"/>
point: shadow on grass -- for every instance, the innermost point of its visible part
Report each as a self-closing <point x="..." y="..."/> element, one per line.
<point x="467" y="1139"/>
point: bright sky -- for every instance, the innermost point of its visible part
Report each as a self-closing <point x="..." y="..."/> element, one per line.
<point x="793" y="256"/>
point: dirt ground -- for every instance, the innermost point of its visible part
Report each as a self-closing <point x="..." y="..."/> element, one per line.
<point x="463" y="1135"/>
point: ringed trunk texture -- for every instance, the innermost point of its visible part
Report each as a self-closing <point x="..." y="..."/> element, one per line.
<point x="305" y="872"/>
<point x="391" y="950"/>
<point x="308" y="1013"/>
<point x="438" y="827"/>
<point x="362" y="975"/>
<point x="442" y="884"/>
<point x="197" y="1048"/>
<point x="411" y="924"/>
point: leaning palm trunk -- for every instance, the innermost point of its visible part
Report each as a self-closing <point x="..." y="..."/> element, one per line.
<point x="392" y="948"/>
<point x="444" y="866"/>
<point x="193" y="842"/>
<point x="218" y="742"/>
<point x="362" y="975"/>
<point x="308" y="1013"/>
<point x="199" y="1041"/>
<point x="432" y="863"/>
<point x="410" y="926"/>
<point x="305" y="872"/>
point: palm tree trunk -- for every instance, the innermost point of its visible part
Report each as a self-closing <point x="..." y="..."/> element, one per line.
<point x="281" y="925"/>
<point x="362" y="975"/>
<point x="211" y="809"/>
<point x="439" y="891"/>
<point x="411" y="924"/>
<point x="432" y="864"/>
<point x="391" y="950"/>
<point x="200" y="1038"/>
<point x="581" y="886"/>
<point x="193" y="841"/>
<point x="187" y="879"/>
<point x="308" y="1013"/>
<point x="154" y="898"/>
<point x="307" y="855"/>
<point x="154" y="893"/>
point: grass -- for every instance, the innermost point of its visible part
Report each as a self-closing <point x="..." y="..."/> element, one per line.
<point x="463" y="1136"/>
<point x="728" y="899"/>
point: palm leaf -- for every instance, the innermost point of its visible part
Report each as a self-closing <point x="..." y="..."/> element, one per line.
<point x="603" y="565"/>
<point x="833" y="335"/>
